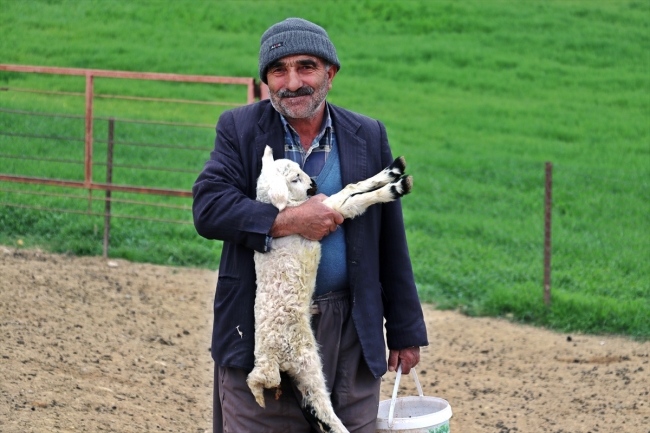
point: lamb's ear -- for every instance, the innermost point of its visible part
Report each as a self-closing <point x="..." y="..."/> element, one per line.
<point x="278" y="191"/>
<point x="267" y="158"/>
<point x="276" y="185"/>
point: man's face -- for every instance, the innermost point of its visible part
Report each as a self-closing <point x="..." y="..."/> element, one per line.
<point x="298" y="85"/>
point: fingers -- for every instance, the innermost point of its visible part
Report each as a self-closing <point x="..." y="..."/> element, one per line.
<point x="318" y="229"/>
<point x="337" y="218"/>
<point x="320" y="220"/>
<point x="392" y="360"/>
<point x="409" y="358"/>
<point x="313" y="220"/>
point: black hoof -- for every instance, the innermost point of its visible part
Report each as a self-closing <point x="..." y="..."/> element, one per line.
<point x="310" y="412"/>
<point x="402" y="186"/>
<point x="407" y="183"/>
<point x="397" y="167"/>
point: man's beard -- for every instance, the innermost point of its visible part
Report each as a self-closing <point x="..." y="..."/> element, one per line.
<point x="282" y="104"/>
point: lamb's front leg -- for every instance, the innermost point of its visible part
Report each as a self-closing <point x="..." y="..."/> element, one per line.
<point x="354" y="205"/>
<point x="389" y="174"/>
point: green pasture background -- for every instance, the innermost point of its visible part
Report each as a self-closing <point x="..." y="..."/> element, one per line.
<point x="477" y="95"/>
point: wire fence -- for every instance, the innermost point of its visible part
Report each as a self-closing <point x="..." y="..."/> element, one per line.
<point x="142" y="169"/>
<point x="128" y="98"/>
<point x="128" y="208"/>
<point x="40" y="152"/>
<point x="26" y="150"/>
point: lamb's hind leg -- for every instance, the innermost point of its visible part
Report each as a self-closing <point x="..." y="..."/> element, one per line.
<point x="315" y="399"/>
<point x="266" y="374"/>
<point x="317" y="403"/>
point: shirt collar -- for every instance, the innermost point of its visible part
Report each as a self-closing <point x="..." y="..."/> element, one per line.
<point x="326" y="124"/>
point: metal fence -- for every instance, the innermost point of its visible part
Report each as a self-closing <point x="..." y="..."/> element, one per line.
<point x="107" y="163"/>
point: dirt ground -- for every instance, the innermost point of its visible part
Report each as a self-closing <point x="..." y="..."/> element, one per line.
<point x="91" y="345"/>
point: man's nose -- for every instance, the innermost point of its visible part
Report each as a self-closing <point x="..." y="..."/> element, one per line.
<point x="294" y="82"/>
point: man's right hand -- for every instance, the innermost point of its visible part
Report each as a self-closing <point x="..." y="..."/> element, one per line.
<point x="312" y="220"/>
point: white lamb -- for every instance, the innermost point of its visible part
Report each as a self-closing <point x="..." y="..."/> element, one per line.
<point x="286" y="279"/>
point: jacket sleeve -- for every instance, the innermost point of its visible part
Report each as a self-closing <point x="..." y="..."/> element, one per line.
<point x="402" y="310"/>
<point x="224" y="205"/>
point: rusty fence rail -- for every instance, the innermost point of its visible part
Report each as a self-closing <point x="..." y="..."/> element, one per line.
<point x="108" y="186"/>
<point x="253" y="91"/>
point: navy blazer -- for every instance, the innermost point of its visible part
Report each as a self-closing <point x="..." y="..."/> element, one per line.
<point x="379" y="266"/>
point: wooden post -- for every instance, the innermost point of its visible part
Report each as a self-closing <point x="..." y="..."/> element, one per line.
<point x="109" y="181"/>
<point x="547" y="233"/>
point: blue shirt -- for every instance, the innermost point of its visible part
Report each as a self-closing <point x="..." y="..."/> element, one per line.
<point x="332" y="273"/>
<point x="312" y="160"/>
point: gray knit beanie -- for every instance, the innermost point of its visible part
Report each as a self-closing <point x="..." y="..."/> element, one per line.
<point x="295" y="36"/>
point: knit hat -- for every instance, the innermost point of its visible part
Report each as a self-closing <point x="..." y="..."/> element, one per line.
<point x="295" y="36"/>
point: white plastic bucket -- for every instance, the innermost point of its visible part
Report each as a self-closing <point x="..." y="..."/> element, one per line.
<point x="413" y="414"/>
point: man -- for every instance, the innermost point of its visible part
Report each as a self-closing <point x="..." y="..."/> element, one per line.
<point x="365" y="272"/>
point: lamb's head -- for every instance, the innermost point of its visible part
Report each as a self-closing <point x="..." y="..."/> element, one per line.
<point x="282" y="183"/>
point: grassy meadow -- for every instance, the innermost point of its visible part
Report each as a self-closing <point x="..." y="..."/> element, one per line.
<point x="477" y="95"/>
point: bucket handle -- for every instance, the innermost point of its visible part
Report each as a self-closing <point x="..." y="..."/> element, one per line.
<point x="393" y="400"/>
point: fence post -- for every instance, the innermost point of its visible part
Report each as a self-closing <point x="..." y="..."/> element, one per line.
<point x="88" y="160"/>
<point x="88" y="175"/>
<point x="251" y="92"/>
<point x="547" y="233"/>
<point x="109" y="181"/>
<point x="264" y="91"/>
<point x="261" y="90"/>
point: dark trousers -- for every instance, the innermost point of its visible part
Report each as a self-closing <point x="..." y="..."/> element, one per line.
<point x="354" y="390"/>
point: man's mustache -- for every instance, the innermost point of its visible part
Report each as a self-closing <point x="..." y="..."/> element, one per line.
<point x="303" y="91"/>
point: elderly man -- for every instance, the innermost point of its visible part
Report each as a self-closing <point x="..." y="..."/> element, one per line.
<point x="365" y="274"/>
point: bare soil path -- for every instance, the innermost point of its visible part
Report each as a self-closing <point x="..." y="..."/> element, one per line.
<point x="90" y="345"/>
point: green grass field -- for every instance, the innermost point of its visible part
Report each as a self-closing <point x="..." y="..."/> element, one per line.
<point x="477" y="95"/>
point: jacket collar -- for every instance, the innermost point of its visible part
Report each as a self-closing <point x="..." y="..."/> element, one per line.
<point x="352" y="148"/>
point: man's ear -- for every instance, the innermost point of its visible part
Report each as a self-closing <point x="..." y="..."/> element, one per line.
<point x="331" y="73"/>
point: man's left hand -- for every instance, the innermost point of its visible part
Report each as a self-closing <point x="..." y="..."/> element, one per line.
<point x="408" y="357"/>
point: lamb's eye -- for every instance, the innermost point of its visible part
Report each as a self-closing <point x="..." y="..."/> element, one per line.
<point x="296" y="180"/>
